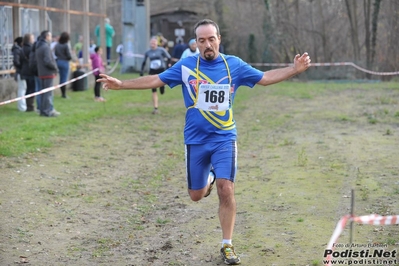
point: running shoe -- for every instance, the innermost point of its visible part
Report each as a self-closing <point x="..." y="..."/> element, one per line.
<point x="213" y="176"/>
<point x="229" y="256"/>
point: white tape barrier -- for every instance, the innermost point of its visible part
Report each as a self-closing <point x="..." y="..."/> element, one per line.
<point x="47" y="89"/>
<point x="68" y="82"/>
<point x="253" y="64"/>
<point x="332" y="64"/>
<point x="372" y="219"/>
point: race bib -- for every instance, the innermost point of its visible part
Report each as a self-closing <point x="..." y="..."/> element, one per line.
<point x="155" y="64"/>
<point x="213" y="97"/>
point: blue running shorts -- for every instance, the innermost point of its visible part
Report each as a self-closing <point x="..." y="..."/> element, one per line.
<point x="221" y="156"/>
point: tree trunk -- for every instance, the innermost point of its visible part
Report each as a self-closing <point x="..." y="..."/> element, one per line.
<point x="351" y="9"/>
<point x="374" y="24"/>
<point x="366" y="9"/>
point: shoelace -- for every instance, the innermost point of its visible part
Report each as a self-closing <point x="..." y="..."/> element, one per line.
<point x="229" y="253"/>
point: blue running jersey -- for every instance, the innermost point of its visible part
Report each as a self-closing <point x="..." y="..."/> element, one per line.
<point x="203" y="126"/>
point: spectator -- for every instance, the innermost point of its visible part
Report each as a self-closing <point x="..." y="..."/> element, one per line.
<point x="33" y="69"/>
<point x="18" y="58"/>
<point x="109" y="34"/>
<point x="63" y="54"/>
<point x="119" y="50"/>
<point x="97" y="62"/>
<point x="191" y="50"/>
<point x="221" y="49"/>
<point x="92" y="47"/>
<point x="47" y="71"/>
<point x="178" y="50"/>
<point x="53" y="44"/>
<point x="157" y="56"/>
<point x="26" y="72"/>
<point x="162" y="41"/>
<point x="78" y="46"/>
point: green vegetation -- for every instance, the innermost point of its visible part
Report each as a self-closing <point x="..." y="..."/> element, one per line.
<point x="27" y="132"/>
<point x="110" y="176"/>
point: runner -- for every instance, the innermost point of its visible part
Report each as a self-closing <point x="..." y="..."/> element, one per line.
<point x="159" y="60"/>
<point x="209" y="83"/>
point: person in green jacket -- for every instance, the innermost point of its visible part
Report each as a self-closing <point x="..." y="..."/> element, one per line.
<point x="109" y="34"/>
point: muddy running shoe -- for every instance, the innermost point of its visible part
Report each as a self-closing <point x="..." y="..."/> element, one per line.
<point x="229" y="256"/>
<point x="155" y="111"/>
<point x="213" y="176"/>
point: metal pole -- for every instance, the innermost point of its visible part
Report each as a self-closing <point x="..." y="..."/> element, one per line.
<point x="102" y="30"/>
<point x="352" y="214"/>
<point x="86" y="34"/>
<point x="42" y="16"/>
<point x="67" y="16"/>
<point x="17" y="21"/>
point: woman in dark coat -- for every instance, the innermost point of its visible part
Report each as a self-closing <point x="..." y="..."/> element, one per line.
<point x="26" y="72"/>
<point x="62" y="52"/>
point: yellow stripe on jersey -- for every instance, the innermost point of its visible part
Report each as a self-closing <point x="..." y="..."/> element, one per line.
<point x="221" y="124"/>
<point x="212" y="117"/>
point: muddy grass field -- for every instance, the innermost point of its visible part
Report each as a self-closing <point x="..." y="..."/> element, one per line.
<point x="114" y="193"/>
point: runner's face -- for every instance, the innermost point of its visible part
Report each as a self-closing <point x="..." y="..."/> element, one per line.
<point x="208" y="41"/>
<point x="153" y="43"/>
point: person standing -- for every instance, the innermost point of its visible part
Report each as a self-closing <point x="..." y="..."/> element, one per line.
<point x="33" y="69"/>
<point x="191" y="50"/>
<point x="159" y="60"/>
<point x="26" y="72"/>
<point x="178" y="50"/>
<point x="97" y="62"/>
<point x="119" y="51"/>
<point x="209" y="83"/>
<point x="78" y="46"/>
<point x="109" y="34"/>
<point x="63" y="54"/>
<point x="92" y="46"/>
<point x="18" y="58"/>
<point x="47" y="71"/>
<point x="53" y="44"/>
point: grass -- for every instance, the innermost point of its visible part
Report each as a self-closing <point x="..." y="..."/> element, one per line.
<point x="283" y="196"/>
<point x="22" y="133"/>
<point x="27" y="132"/>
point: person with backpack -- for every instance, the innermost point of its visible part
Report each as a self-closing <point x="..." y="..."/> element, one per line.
<point x="18" y="57"/>
<point x="26" y="72"/>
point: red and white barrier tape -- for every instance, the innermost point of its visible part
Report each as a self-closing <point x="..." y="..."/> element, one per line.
<point x="332" y="64"/>
<point x="373" y="219"/>
<point x="47" y="89"/>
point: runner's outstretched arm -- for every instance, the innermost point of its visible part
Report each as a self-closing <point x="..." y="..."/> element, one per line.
<point x="141" y="83"/>
<point x="301" y="63"/>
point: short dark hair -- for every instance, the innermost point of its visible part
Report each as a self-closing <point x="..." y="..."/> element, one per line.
<point x="206" y="22"/>
<point x="18" y="40"/>
<point x="44" y="34"/>
<point x="64" y="37"/>
<point x="97" y="48"/>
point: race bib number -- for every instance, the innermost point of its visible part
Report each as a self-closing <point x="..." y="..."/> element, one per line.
<point x="155" y="64"/>
<point x="213" y="97"/>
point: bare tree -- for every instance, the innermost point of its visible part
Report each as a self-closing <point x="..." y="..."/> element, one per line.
<point x="374" y="24"/>
<point x="352" y="15"/>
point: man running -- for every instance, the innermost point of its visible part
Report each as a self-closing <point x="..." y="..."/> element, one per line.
<point x="209" y="83"/>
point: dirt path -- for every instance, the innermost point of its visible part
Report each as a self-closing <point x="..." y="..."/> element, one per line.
<point x="115" y="194"/>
